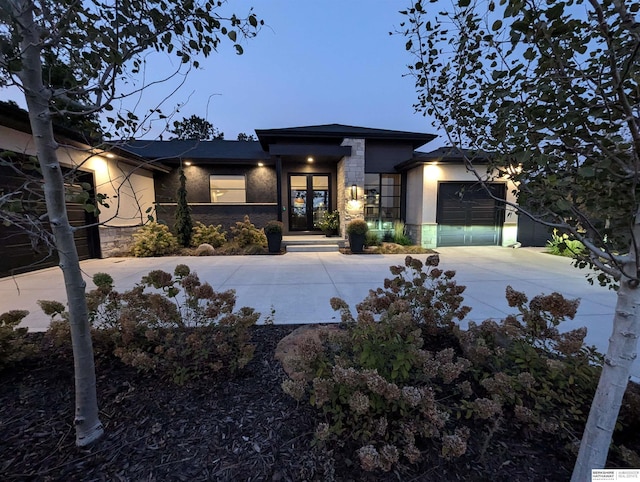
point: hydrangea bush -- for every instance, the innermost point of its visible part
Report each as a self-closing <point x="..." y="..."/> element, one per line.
<point x="170" y="324"/>
<point x="403" y="381"/>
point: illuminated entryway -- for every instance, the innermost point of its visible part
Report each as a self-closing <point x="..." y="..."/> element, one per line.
<point x="309" y="199"/>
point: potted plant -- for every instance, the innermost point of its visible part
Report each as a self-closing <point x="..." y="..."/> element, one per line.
<point x="273" y="231"/>
<point x="357" y="230"/>
<point x="329" y="223"/>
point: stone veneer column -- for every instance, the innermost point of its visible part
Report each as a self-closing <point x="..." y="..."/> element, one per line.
<point x="350" y="172"/>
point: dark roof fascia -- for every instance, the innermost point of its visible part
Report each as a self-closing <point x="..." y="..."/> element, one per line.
<point x="309" y="150"/>
<point x="339" y="132"/>
<point x="444" y="155"/>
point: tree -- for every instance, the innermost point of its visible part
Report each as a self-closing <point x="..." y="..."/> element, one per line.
<point x="552" y="89"/>
<point x="246" y="137"/>
<point x="196" y="128"/>
<point x="184" y="223"/>
<point x="120" y="33"/>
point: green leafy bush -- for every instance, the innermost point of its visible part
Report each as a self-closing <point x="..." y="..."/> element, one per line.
<point x="399" y="237"/>
<point x="203" y="234"/>
<point x="154" y="239"/>
<point x="563" y="245"/>
<point x="329" y="222"/>
<point x="169" y="324"/>
<point x="402" y="380"/>
<point x="245" y="234"/>
<point x="14" y="345"/>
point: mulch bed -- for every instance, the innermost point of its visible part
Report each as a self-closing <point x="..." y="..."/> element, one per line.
<point x="244" y="429"/>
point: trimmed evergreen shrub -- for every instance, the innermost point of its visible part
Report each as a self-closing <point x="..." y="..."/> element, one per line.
<point x="212" y="234"/>
<point x="154" y="239"/>
<point x="184" y="224"/>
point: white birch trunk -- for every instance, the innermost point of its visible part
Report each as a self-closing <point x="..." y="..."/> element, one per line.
<point x="87" y="423"/>
<point x="621" y="353"/>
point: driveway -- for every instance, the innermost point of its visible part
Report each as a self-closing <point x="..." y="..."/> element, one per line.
<point x="298" y="286"/>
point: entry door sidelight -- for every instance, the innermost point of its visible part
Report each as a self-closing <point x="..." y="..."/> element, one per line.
<point x="308" y="200"/>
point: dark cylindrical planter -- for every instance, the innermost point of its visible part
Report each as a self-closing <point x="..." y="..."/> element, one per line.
<point x="356" y="243"/>
<point x="274" y="240"/>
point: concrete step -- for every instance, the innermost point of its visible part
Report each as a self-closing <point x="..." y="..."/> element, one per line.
<point x="312" y="248"/>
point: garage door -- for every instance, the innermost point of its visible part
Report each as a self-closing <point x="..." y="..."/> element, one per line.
<point x="17" y="253"/>
<point x="467" y="215"/>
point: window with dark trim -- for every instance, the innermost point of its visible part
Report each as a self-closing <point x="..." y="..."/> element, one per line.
<point x="382" y="197"/>
<point x="228" y="188"/>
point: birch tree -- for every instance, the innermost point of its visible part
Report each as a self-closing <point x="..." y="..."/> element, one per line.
<point x="102" y="45"/>
<point x="552" y="89"/>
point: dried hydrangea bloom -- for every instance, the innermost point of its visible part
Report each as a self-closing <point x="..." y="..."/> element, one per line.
<point x="389" y="456"/>
<point x="359" y="402"/>
<point x="322" y="431"/>
<point x="369" y="458"/>
<point x="294" y="388"/>
<point x="455" y="445"/>
<point x="485" y="408"/>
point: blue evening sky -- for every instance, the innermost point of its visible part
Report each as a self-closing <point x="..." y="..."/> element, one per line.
<point x="314" y="62"/>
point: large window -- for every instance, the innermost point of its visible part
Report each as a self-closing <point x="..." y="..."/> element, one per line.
<point x="228" y="188"/>
<point x="382" y="199"/>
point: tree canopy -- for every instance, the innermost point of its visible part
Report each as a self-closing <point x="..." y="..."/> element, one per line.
<point x="552" y="89"/>
<point x="197" y="128"/>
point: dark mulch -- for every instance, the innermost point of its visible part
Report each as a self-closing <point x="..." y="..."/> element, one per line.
<point x="245" y="429"/>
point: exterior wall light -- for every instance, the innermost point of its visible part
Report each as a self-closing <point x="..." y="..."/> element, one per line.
<point x="309" y="159"/>
<point x="187" y="163"/>
<point x="260" y="164"/>
<point x="354" y="192"/>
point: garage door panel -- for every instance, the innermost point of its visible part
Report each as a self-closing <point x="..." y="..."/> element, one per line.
<point x="467" y="215"/>
<point x="18" y="254"/>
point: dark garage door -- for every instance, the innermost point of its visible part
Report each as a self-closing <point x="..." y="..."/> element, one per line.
<point x="468" y="216"/>
<point x="17" y="255"/>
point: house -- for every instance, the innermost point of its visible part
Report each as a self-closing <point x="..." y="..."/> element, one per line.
<point x="296" y="174"/>
<point x="291" y="174"/>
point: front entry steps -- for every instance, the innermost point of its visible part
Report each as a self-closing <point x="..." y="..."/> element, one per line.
<point x="312" y="243"/>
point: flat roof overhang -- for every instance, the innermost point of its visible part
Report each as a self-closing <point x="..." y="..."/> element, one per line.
<point x="313" y="150"/>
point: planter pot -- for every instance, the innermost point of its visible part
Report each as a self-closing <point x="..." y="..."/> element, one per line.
<point x="330" y="232"/>
<point x="274" y="240"/>
<point x="356" y="243"/>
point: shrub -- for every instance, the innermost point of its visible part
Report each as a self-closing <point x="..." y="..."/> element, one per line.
<point x="184" y="223"/>
<point x="357" y="226"/>
<point x="273" y="227"/>
<point x="399" y="237"/>
<point x="213" y="235"/>
<point x="330" y="221"/>
<point x="563" y="245"/>
<point x="170" y="324"/>
<point x="245" y="234"/>
<point x="14" y="345"/>
<point x="154" y="239"/>
<point x="403" y="377"/>
<point x="371" y="239"/>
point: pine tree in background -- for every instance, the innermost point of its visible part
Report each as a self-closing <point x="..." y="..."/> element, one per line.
<point x="184" y="223"/>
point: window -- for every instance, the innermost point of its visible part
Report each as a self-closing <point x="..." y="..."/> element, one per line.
<point x="382" y="199"/>
<point x="228" y="188"/>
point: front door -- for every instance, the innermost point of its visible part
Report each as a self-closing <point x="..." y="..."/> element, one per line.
<point x="308" y="200"/>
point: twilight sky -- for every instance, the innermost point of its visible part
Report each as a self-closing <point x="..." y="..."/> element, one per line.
<point x="314" y="62"/>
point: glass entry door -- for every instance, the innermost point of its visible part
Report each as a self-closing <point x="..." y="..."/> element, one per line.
<point x="308" y="200"/>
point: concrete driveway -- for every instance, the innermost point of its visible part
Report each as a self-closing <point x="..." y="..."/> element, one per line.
<point x="298" y="286"/>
